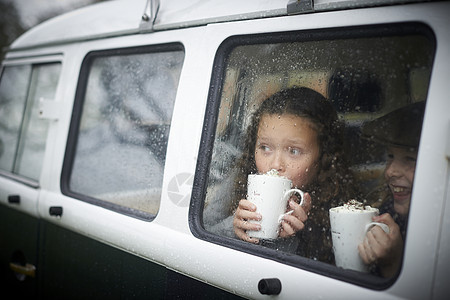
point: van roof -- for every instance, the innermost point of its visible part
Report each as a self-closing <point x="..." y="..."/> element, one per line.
<point x="124" y="17"/>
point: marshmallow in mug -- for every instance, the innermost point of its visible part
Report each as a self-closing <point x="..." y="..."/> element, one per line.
<point x="274" y="173"/>
<point x="354" y="205"/>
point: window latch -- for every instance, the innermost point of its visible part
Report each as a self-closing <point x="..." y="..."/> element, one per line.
<point x="49" y="109"/>
<point x="300" y="7"/>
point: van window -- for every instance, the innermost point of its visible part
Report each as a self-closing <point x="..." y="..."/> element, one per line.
<point x="22" y="132"/>
<point x="125" y="100"/>
<point x="365" y="73"/>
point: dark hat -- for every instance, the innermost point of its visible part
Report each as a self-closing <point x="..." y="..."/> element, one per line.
<point x="401" y="127"/>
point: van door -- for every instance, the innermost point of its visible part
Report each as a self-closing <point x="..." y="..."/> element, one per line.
<point x="23" y="136"/>
<point x="112" y="170"/>
<point x="366" y="69"/>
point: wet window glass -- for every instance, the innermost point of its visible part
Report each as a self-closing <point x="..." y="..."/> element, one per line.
<point x="23" y="133"/>
<point x="125" y="121"/>
<point x="324" y="113"/>
<point x="30" y="154"/>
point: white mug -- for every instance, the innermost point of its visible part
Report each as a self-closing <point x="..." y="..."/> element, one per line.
<point x="348" y="229"/>
<point x="270" y="194"/>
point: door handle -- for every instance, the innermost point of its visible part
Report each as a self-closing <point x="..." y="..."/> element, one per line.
<point x="56" y="211"/>
<point x="27" y="270"/>
<point x="14" y="199"/>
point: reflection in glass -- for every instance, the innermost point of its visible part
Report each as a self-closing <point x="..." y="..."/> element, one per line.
<point x="127" y="110"/>
<point x="363" y="78"/>
<point x="30" y="154"/>
<point x="13" y="96"/>
<point x="22" y="133"/>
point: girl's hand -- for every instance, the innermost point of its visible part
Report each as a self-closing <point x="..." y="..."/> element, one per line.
<point x="381" y="248"/>
<point x="295" y="222"/>
<point x="246" y="211"/>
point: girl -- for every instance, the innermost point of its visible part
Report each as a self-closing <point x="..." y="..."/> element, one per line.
<point x="296" y="132"/>
<point x="400" y="132"/>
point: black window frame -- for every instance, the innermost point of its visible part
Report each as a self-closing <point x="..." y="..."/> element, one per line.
<point x="77" y="110"/>
<point x="209" y="131"/>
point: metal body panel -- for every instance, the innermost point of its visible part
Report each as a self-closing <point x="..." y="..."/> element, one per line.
<point x="167" y="241"/>
<point x="125" y="17"/>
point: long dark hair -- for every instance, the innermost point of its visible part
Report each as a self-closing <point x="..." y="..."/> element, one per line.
<point x="333" y="182"/>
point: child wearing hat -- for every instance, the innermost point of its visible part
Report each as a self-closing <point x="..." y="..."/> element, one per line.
<point x="400" y="132"/>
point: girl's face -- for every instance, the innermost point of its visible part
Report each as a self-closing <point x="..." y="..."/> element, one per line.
<point x="288" y="144"/>
<point x="399" y="175"/>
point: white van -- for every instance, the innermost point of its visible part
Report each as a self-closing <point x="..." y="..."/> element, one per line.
<point x="121" y="123"/>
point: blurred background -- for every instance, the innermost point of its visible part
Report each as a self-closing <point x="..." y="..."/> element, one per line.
<point x="17" y="16"/>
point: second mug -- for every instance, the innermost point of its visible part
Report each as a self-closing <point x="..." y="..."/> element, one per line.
<point x="349" y="226"/>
